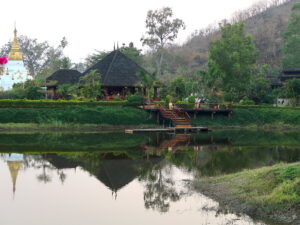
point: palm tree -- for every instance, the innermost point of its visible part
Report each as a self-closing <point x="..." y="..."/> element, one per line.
<point x="148" y="81"/>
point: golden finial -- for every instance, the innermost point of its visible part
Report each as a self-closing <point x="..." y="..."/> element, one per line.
<point x="15" y="52"/>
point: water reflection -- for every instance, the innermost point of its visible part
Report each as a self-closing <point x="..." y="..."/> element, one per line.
<point x="14" y="162"/>
<point x="154" y="168"/>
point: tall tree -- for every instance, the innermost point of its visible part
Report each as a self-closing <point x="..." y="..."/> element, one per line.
<point x="40" y="57"/>
<point x="291" y="48"/>
<point x="161" y="30"/>
<point x="232" y="59"/>
<point x="148" y="81"/>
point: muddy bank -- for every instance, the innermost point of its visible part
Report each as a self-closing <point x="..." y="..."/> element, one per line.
<point x="259" y="193"/>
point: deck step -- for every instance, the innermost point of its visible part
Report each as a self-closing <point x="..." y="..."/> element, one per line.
<point x="178" y="118"/>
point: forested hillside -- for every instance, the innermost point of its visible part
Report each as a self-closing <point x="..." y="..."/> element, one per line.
<point x="265" y="21"/>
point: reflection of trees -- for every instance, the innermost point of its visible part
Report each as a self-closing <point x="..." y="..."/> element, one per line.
<point x="159" y="188"/>
<point x="44" y="177"/>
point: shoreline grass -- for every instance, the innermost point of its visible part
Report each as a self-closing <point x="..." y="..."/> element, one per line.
<point x="269" y="192"/>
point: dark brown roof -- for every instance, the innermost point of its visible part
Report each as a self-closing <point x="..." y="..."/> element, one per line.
<point x="117" y="70"/>
<point x="64" y="76"/>
<point x="291" y="73"/>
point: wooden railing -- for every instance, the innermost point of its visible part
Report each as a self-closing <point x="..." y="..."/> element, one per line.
<point x="196" y="106"/>
<point x="204" y="106"/>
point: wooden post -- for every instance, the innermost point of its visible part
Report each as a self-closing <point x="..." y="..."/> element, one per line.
<point x="155" y="93"/>
<point x="229" y="115"/>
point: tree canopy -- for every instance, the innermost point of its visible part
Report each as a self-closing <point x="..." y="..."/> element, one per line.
<point x="231" y="59"/>
<point x="161" y="30"/>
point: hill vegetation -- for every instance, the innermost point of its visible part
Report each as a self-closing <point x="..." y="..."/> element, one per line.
<point x="265" y="21"/>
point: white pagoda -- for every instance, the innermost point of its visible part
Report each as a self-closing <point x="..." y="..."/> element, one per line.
<point x="14" y="71"/>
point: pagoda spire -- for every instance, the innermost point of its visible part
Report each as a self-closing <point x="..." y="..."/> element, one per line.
<point x="14" y="163"/>
<point x="14" y="168"/>
<point x="15" y="52"/>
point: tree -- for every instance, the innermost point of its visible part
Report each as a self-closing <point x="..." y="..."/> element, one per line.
<point x="232" y="59"/>
<point x="132" y="52"/>
<point x="260" y="90"/>
<point x="40" y="57"/>
<point x="291" y="89"/>
<point x="31" y="89"/>
<point x="291" y="47"/>
<point x="177" y="88"/>
<point x="95" y="57"/>
<point x="161" y="30"/>
<point x="91" y="88"/>
<point x="148" y="81"/>
<point x="67" y="91"/>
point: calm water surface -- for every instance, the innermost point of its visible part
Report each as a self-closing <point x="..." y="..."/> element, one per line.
<point x="116" y="178"/>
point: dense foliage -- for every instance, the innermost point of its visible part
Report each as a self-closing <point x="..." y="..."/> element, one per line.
<point x="232" y="59"/>
<point x="77" y="115"/>
<point x="14" y="103"/>
<point x="257" y="117"/>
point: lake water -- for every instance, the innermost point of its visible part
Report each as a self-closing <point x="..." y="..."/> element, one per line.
<point x="117" y="178"/>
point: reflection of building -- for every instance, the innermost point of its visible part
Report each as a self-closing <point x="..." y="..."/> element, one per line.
<point x="14" y="162"/>
<point x="115" y="172"/>
<point x="14" y="71"/>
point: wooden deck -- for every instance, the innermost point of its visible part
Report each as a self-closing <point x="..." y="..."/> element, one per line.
<point x="169" y="129"/>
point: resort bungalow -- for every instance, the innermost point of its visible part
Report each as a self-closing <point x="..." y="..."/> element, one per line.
<point x="62" y="76"/>
<point x="119" y="76"/>
<point x="292" y="73"/>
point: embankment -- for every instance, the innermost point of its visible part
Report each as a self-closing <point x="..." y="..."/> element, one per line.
<point x="61" y="117"/>
<point x="265" y="193"/>
<point x="253" y="117"/>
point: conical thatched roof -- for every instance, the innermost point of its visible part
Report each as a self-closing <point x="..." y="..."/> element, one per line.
<point x="64" y="76"/>
<point x="117" y="70"/>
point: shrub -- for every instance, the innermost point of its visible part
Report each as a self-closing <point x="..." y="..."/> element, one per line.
<point x="24" y="103"/>
<point x="77" y="115"/>
<point x="135" y="100"/>
<point x="191" y="99"/>
<point x="247" y="101"/>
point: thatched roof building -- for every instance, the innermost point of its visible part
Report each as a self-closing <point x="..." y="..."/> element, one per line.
<point x="119" y="76"/>
<point x="117" y="70"/>
<point x="291" y="73"/>
<point x="63" y="76"/>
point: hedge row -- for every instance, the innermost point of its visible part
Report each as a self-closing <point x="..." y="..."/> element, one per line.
<point x="77" y="115"/>
<point x="252" y="117"/>
<point x="265" y="107"/>
<point x="10" y="103"/>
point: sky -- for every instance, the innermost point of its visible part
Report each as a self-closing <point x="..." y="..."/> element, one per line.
<point x="91" y="25"/>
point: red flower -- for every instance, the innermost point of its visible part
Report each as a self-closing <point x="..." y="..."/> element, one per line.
<point x="3" y="60"/>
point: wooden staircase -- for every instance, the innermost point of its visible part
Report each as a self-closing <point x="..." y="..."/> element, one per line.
<point x="178" y="118"/>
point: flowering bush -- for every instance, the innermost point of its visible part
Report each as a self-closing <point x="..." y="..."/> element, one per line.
<point x="3" y="60"/>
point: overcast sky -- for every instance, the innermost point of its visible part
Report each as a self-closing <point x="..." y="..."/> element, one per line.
<point x="97" y="24"/>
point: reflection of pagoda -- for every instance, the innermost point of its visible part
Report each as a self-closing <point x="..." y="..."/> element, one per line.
<point x="14" y="162"/>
